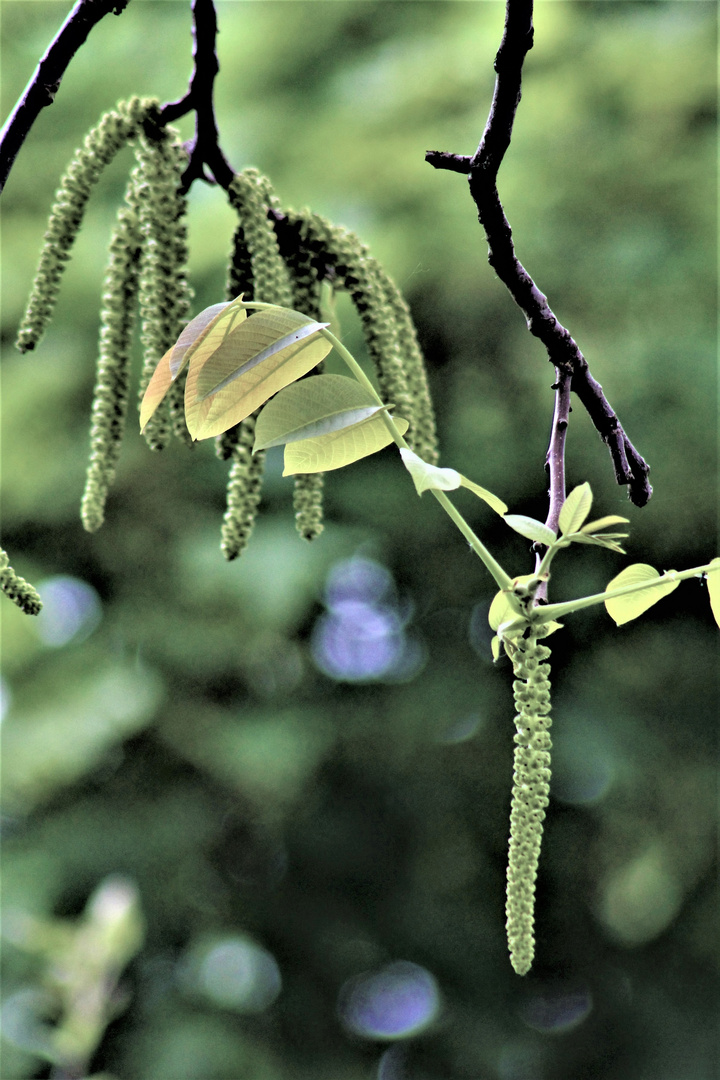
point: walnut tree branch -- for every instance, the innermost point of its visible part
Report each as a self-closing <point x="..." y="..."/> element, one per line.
<point x="204" y="149"/>
<point x="45" y="82"/>
<point x="481" y="170"/>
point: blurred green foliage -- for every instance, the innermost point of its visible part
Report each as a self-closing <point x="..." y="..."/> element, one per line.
<point x="191" y="742"/>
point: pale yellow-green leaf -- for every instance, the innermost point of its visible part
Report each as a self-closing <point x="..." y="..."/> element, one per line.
<point x="340" y="448"/>
<point x="269" y="351"/>
<point x="495" y="646"/>
<point x="312" y="408"/>
<point x="531" y="529"/>
<point x="625" y="608"/>
<point x="157" y="388"/>
<point x="487" y="496"/>
<point x="200" y="325"/>
<point x="575" y="509"/>
<point x="603" y="522"/>
<point x="427" y="476"/>
<point x="178" y="355"/>
<point x="713" y="585"/>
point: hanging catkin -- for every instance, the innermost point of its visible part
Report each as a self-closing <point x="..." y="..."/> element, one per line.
<point x="110" y="400"/>
<point x="99" y="148"/>
<point x="17" y="589"/>
<point x="531" y="786"/>
<point x="164" y="294"/>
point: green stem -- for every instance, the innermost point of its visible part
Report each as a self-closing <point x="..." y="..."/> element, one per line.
<point x="555" y="611"/>
<point x="501" y="578"/>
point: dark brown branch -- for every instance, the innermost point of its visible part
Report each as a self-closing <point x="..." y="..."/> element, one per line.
<point x="204" y="150"/>
<point x="482" y="169"/>
<point x="45" y="82"/>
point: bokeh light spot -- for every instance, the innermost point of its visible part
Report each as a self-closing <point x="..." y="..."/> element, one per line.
<point x="556" y="1010"/>
<point x="395" y="1002"/>
<point x="362" y="635"/>
<point x="71" y="611"/>
<point x="235" y="973"/>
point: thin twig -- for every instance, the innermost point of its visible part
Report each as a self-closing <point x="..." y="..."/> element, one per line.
<point x="555" y="464"/>
<point x="45" y="82"/>
<point x="482" y="169"/>
<point x="204" y="149"/>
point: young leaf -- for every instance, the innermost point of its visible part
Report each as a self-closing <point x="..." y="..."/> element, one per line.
<point x="531" y="529"/>
<point x="312" y="408"/>
<point x="228" y="382"/>
<point x="624" y="609"/>
<point x="191" y="335"/>
<point x="157" y="388"/>
<point x="603" y="522"/>
<point x="487" y="496"/>
<point x="575" y="509"/>
<point x="608" y="541"/>
<point x="713" y="585"/>
<point x="176" y="357"/>
<point x="429" y="476"/>
<point x="340" y="448"/>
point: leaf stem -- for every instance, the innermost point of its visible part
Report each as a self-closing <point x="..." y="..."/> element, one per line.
<point x="501" y="578"/>
<point x="548" y="612"/>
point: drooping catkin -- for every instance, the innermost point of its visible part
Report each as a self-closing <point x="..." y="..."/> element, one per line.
<point x="243" y="492"/>
<point x="531" y="786"/>
<point x="164" y="294"/>
<point x="17" y="589"/>
<point x="110" y="400"/>
<point x="307" y="487"/>
<point x="251" y="196"/>
<point x="390" y="338"/>
<point x="99" y="148"/>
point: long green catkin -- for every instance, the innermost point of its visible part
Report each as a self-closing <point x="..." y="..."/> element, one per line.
<point x="17" y="589"/>
<point x="387" y="327"/>
<point x="531" y="786"/>
<point x="256" y="258"/>
<point x="110" y="400"/>
<point x="99" y="148"/>
<point x="164" y="294"/>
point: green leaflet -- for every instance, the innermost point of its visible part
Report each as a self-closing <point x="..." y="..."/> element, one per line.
<point x="428" y="477"/>
<point x="575" y="509"/>
<point x="312" y="408"/>
<point x="624" y="609"/>
<point x="713" y="584"/>
<point x="265" y="353"/>
<point x="341" y="447"/>
<point x="174" y="360"/>
<point x="531" y="529"/>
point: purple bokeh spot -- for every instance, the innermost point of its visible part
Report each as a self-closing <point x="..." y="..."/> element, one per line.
<point x="393" y="1003"/>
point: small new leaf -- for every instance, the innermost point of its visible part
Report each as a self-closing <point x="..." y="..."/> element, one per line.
<point x="603" y="522"/>
<point x="487" y="496"/>
<point x="531" y="529"/>
<point x="427" y="476"/>
<point x="575" y="509"/>
<point x="625" y="608"/>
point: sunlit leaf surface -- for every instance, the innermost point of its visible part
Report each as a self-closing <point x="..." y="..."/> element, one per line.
<point x="340" y="447"/>
<point x="624" y="609"/>
<point x="312" y="408"/>
<point x="267" y="352"/>
<point x="575" y="509"/>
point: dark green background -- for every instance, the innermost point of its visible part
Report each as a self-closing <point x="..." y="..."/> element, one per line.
<point x="191" y="743"/>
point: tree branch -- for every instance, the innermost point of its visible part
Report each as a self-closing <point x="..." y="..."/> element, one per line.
<point x="45" y="82"/>
<point x="482" y="169"/>
<point x="204" y="149"/>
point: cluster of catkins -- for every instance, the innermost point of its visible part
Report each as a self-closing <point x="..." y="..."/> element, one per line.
<point x="278" y="257"/>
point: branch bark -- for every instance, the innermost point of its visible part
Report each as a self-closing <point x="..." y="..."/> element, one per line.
<point x="481" y="170"/>
<point x="45" y="82"/>
<point x="204" y="149"/>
